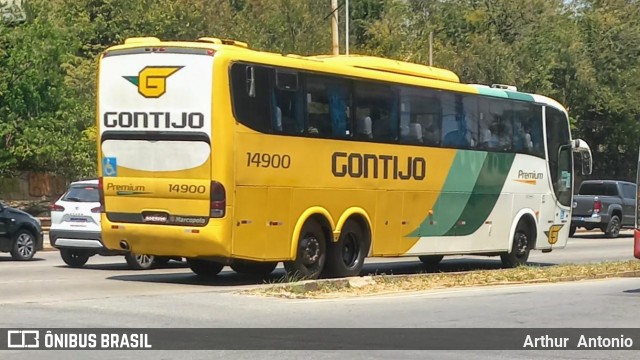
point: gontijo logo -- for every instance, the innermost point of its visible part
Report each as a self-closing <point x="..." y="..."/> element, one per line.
<point x="152" y="80"/>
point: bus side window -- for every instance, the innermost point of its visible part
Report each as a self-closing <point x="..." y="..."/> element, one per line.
<point x="251" y="96"/>
<point x="287" y="104"/>
<point x="377" y="105"/>
<point x="328" y="102"/>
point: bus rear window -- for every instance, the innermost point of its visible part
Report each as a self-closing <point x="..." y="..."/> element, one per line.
<point x="157" y="155"/>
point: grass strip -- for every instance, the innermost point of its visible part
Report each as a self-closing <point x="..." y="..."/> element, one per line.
<point x="385" y="284"/>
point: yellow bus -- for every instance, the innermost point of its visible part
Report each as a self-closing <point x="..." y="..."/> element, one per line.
<point x="226" y="155"/>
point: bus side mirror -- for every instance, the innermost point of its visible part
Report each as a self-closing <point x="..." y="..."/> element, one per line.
<point x="580" y="146"/>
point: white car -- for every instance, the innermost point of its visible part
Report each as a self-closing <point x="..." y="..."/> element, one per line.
<point x="75" y="228"/>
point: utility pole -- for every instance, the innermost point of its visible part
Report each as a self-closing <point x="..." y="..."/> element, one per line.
<point x="334" y="27"/>
<point x="431" y="48"/>
<point x="346" y="30"/>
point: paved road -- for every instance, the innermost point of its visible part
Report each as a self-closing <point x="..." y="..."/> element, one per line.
<point x="46" y="293"/>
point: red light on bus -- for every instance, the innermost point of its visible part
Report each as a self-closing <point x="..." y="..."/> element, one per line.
<point x="218" y="201"/>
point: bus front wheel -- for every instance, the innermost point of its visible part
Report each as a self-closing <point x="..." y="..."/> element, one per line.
<point x="311" y="253"/>
<point x="205" y="268"/>
<point x="346" y="256"/>
<point x="520" y="248"/>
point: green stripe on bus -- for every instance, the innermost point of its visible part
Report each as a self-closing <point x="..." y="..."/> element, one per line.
<point x="454" y="195"/>
<point x="519" y="96"/>
<point x="492" y="92"/>
<point x="485" y="194"/>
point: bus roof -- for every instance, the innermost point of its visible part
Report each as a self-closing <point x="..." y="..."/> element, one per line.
<point x="445" y="79"/>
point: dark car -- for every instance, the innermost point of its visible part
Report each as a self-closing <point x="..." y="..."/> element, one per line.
<point x="20" y="233"/>
<point x="608" y="205"/>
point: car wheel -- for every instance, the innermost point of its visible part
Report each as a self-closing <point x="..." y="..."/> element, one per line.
<point x="24" y="246"/>
<point x="613" y="228"/>
<point x="74" y="258"/>
<point x="572" y="231"/>
<point x="161" y="261"/>
<point x="140" y="261"/>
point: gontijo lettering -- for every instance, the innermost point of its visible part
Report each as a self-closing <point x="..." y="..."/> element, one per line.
<point x="153" y="120"/>
<point x="378" y="166"/>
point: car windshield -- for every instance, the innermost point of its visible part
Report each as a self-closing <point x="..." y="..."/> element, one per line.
<point x="82" y="193"/>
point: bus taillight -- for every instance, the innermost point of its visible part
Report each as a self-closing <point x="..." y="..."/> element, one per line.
<point x="218" y="200"/>
<point x="597" y="206"/>
<point x="101" y="194"/>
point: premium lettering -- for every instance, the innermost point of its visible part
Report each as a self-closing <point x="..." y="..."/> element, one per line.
<point x="371" y="166"/>
<point x="529" y="175"/>
<point x="153" y="120"/>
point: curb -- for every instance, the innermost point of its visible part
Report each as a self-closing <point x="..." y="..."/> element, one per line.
<point x="298" y="290"/>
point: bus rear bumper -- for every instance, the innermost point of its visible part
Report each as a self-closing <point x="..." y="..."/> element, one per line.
<point x="167" y="240"/>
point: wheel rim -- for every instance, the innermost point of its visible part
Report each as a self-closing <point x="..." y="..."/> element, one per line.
<point x="615" y="227"/>
<point x="25" y="245"/>
<point x="144" y="260"/>
<point x="310" y="250"/>
<point x="350" y="250"/>
<point x="520" y="244"/>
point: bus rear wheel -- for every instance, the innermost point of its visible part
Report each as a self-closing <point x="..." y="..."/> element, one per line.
<point x="346" y="256"/>
<point x="253" y="268"/>
<point x="311" y="253"/>
<point x="205" y="268"/>
<point x="520" y="248"/>
<point x="431" y="260"/>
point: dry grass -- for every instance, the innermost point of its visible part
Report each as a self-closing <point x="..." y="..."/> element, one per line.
<point x="383" y="284"/>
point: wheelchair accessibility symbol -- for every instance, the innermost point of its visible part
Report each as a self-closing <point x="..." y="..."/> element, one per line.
<point x="109" y="166"/>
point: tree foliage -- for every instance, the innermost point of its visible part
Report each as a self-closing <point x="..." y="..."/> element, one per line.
<point x="583" y="53"/>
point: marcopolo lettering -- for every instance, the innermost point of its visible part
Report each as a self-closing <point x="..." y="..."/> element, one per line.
<point x="153" y="120"/>
<point x="371" y="166"/>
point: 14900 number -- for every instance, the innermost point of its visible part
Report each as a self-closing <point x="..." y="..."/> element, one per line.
<point x="266" y="160"/>
<point x="187" y="189"/>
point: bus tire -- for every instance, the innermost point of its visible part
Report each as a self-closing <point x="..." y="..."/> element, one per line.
<point x="254" y="268"/>
<point x="431" y="260"/>
<point x="311" y="253"/>
<point x="205" y="268"/>
<point x="345" y="257"/>
<point x="520" y="248"/>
